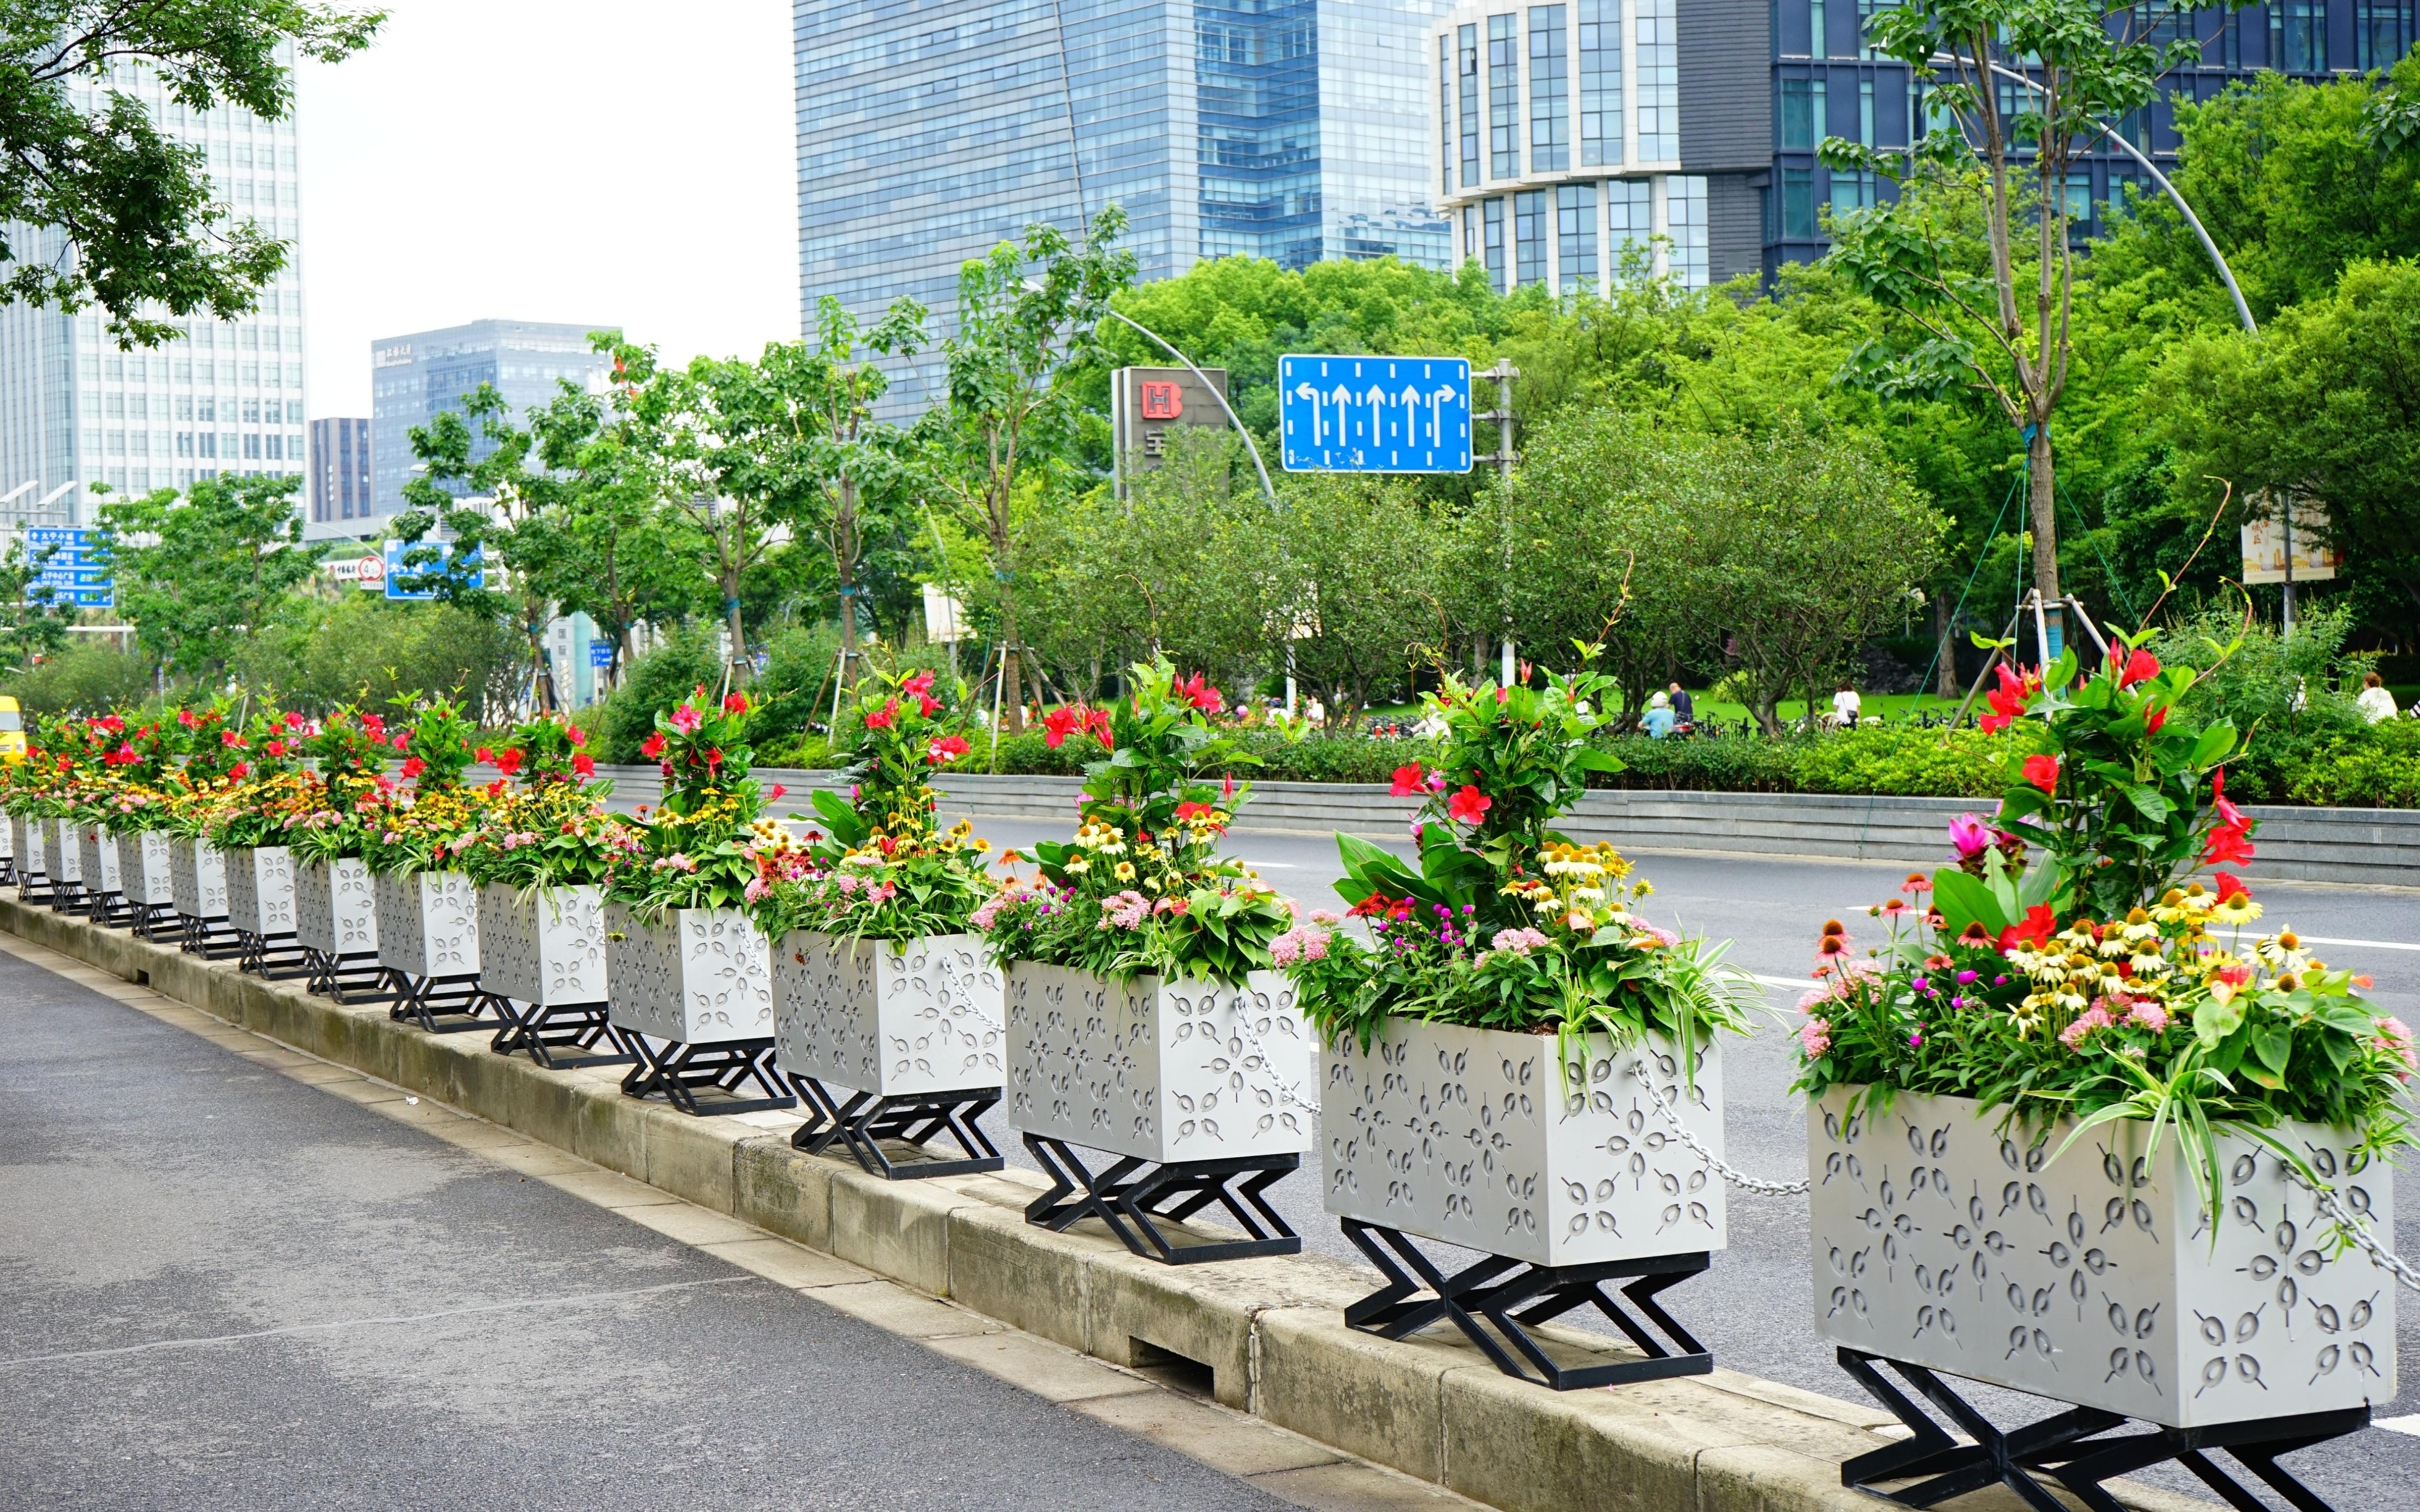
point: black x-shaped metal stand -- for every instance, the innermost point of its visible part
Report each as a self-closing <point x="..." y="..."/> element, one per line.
<point x="349" y="977"/>
<point x="1133" y="1192"/>
<point x="867" y="1118"/>
<point x="66" y="896"/>
<point x="36" y="887"/>
<point x="558" y="1036"/>
<point x="7" y="871"/>
<point x="153" y="921"/>
<point x="2076" y="1448"/>
<point x="1494" y="1300"/>
<point x="110" y="910"/>
<point x="212" y="938"/>
<point x="440" y="1004"/>
<point x="274" y="956"/>
<point x="704" y="1079"/>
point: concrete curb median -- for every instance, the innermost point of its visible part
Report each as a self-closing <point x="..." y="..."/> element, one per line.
<point x="1268" y="1332"/>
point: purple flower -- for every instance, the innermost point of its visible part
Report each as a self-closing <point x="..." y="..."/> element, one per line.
<point x="1999" y="981"/>
<point x="1922" y="984"/>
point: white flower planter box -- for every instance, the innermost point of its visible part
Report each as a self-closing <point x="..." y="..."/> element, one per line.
<point x="260" y="889"/>
<point x="145" y="868"/>
<point x="860" y="1015"/>
<point x="25" y="844"/>
<point x="2093" y="1279"/>
<point x="698" y="976"/>
<point x="96" y="859"/>
<point x="428" y="924"/>
<point x="335" y="907"/>
<point x="64" y="852"/>
<point x="1475" y="1137"/>
<point x="197" y="879"/>
<point x="545" y="947"/>
<point x="1163" y="1071"/>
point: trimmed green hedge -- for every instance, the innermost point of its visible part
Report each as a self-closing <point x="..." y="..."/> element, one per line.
<point x="2374" y="767"/>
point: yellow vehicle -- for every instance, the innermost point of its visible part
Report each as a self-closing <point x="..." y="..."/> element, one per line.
<point x="12" y="731"/>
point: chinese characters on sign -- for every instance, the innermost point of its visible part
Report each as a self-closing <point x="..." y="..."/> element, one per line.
<point x="1145" y="402"/>
<point x="70" y="566"/>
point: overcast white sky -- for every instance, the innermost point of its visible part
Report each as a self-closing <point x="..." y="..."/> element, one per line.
<point x="620" y="162"/>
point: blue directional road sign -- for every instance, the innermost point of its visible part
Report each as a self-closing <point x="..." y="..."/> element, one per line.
<point x="601" y="652"/>
<point x="395" y="570"/>
<point x="72" y="570"/>
<point x="1375" y="414"/>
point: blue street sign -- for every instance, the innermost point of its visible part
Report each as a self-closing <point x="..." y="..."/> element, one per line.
<point x="601" y="652"/>
<point x="1374" y="415"/>
<point x="395" y="570"/>
<point x="69" y="568"/>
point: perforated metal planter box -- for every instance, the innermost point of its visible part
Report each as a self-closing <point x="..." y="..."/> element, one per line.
<point x="62" y="849"/>
<point x="1476" y="1138"/>
<point x="335" y="907"/>
<point x="699" y="975"/>
<point x="197" y="879"/>
<point x="428" y="924"/>
<point x="545" y="946"/>
<point x="921" y="1017"/>
<point x="25" y="842"/>
<point x="145" y="868"/>
<point x="96" y="859"/>
<point x="1942" y="1240"/>
<point x="1160" y="1070"/>
<point x="260" y="889"/>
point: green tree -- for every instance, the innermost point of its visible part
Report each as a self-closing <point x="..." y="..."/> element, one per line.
<point x="1028" y="325"/>
<point x="32" y="623"/>
<point x="196" y="573"/>
<point x="1360" y="561"/>
<point x="98" y="206"/>
<point x="2325" y="403"/>
<point x="2002" y="330"/>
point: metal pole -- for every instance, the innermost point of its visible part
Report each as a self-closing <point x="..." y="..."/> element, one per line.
<point x="1231" y="418"/>
<point x="2286" y="515"/>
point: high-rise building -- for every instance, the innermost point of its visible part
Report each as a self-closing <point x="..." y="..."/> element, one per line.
<point x="1292" y="129"/>
<point x="1570" y="141"/>
<point x="78" y="415"/>
<point x="340" y="476"/>
<point x="1827" y="82"/>
<point x="414" y="379"/>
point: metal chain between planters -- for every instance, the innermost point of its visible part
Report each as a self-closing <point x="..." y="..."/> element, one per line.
<point x="1713" y="1162"/>
<point x="2358" y="1231"/>
<point x="1286" y="1089"/>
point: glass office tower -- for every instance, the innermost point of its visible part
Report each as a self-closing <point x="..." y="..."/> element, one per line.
<point x="413" y="378"/>
<point x="77" y="414"/>
<point x="1292" y="129"/>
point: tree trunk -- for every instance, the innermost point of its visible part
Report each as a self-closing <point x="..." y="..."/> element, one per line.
<point x="731" y="617"/>
<point x="844" y="567"/>
<point x="1944" y="652"/>
<point x="1012" y="698"/>
<point x="2040" y="490"/>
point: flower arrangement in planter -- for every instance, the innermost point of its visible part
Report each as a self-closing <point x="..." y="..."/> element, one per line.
<point x="427" y="909"/>
<point x="1512" y="1057"/>
<point x="684" y="962"/>
<point x="1145" y="1015"/>
<point x="882" y="994"/>
<point x="335" y="899"/>
<point x="247" y="826"/>
<point x="2069" y="1118"/>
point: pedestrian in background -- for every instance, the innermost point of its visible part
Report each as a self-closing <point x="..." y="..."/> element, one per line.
<point x="1657" y="720"/>
<point x="1846" y="707"/>
<point x="1684" y="708"/>
<point x="2376" y="703"/>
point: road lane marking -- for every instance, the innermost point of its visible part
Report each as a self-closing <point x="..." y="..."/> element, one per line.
<point x="2361" y="945"/>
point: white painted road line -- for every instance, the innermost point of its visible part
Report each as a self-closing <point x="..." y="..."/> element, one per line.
<point x="2409" y="1424"/>
<point x="2363" y="945"/>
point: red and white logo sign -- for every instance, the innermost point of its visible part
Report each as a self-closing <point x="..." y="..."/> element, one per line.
<point x="370" y="572"/>
<point x="1162" y="401"/>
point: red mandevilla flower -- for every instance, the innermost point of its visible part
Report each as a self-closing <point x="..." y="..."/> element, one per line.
<point x="735" y="704"/>
<point x="947" y="748"/>
<point x="920" y="683"/>
<point x="508" y="762"/>
<point x="1409" y="780"/>
<point x="886" y="718"/>
<point x="1469" y="806"/>
<point x="2042" y="772"/>
<point x="2133" y="667"/>
<point x="651" y="747"/>
<point x="583" y="763"/>
<point x="415" y="766"/>
<point x="1060" y="723"/>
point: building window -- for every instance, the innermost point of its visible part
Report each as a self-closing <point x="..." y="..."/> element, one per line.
<point x="1469" y="232"/>
<point x="1685" y="218"/>
<point x="1866" y="109"/>
<point x="2382" y="33"/>
<point x="1630" y="219"/>
<point x="1550" y="104"/>
<point x="1576" y="237"/>
<point x="1797" y="204"/>
<point x="2298" y="36"/>
<point x="1867" y="11"/>
<point x="1504" y="96"/>
<point x="1496" y="244"/>
<point x="1852" y="190"/>
<point x="1801" y="124"/>
<point x="251" y="445"/>
<point x="1466" y="45"/>
<point x="1530" y="237"/>
<point x="1655" y="37"/>
<point x="1600" y="82"/>
<point x="1818" y="44"/>
<point x="1445" y="112"/>
<point x="2079" y="199"/>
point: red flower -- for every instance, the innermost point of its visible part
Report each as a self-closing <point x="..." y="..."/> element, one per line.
<point x="651" y="747"/>
<point x="571" y="732"/>
<point x="124" y="755"/>
<point x="2042" y="772"/>
<point x="583" y="763"/>
<point x="714" y="757"/>
<point x="2035" y="929"/>
<point x="735" y="704"/>
<point x="1409" y="780"/>
<point x="1189" y="813"/>
<point x="2153" y="720"/>
<point x="1199" y="693"/>
<point x="275" y="748"/>
<point x="1372" y="906"/>
<point x="2231" y="885"/>
<point x="236" y="773"/>
<point x="884" y="719"/>
<point x="415" y="766"/>
<point x="2007" y="700"/>
<point x="293" y="721"/>
<point x="2132" y="667"/>
<point x="925" y="704"/>
<point x="776" y="794"/>
<point x="509" y="762"/>
<point x="1469" y="806"/>
<point x="185" y="717"/>
<point x="2228" y="845"/>
<point x="1097" y="723"/>
<point x="946" y="750"/>
<point x="1058" y="724"/>
<point x="402" y="740"/>
<point x="921" y="683"/>
<point x="487" y="758"/>
<point x="230" y="739"/>
<point x="2229" y="815"/>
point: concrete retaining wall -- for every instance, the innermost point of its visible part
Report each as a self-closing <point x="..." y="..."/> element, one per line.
<point x="1270" y="1331"/>
<point x="2374" y="847"/>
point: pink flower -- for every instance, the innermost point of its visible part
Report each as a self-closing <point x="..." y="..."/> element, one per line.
<point x="1815" y="1037"/>
<point x="946" y="750"/>
<point x="1520" y="941"/>
<point x="848" y="882"/>
<point x="686" y="720"/>
<point x="2148" y="1014"/>
<point x="1969" y="834"/>
<point x="2393" y="1037"/>
<point x="776" y="794"/>
<point x="920" y="683"/>
<point x="2095" y="1017"/>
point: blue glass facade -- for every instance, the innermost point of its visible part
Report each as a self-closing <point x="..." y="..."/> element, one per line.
<point x="1827" y="81"/>
<point x="415" y="377"/>
<point x="1292" y="129"/>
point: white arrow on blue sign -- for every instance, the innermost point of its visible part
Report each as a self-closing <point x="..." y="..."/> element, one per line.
<point x="1374" y="415"/>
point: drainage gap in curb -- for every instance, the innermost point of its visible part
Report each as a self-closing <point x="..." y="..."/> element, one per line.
<point x="1179" y="1373"/>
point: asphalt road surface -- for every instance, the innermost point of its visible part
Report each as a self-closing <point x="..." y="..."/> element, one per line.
<point x="1754" y="1308"/>
<point x="222" y="1288"/>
